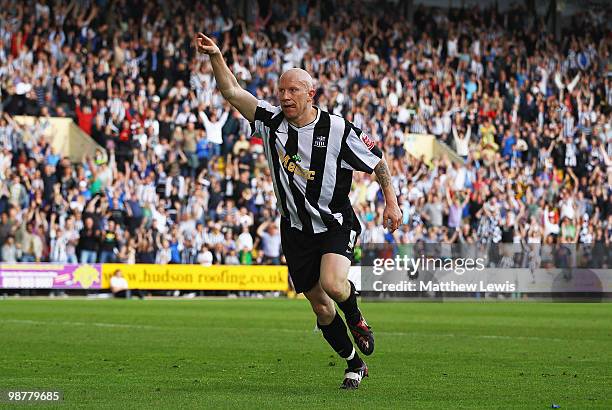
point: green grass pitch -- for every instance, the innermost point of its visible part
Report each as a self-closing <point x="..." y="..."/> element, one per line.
<point x="220" y="353"/>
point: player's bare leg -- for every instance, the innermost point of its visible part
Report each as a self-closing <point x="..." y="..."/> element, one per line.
<point x="334" y="280"/>
<point x="335" y="333"/>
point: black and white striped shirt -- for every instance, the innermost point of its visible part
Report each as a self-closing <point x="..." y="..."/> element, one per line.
<point x="312" y="167"/>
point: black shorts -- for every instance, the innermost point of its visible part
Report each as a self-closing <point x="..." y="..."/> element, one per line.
<point x="303" y="252"/>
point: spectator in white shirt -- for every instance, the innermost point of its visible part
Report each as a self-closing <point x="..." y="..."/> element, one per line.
<point x="213" y="129"/>
<point x="185" y="117"/>
<point x="119" y="286"/>
<point x="205" y="257"/>
<point x="245" y="240"/>
<point x="462" y="141"/>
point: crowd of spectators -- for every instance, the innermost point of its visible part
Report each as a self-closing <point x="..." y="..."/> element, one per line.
<point x="184" y="181"/>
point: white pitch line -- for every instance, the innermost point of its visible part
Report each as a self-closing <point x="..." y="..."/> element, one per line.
<point x="97" y="324"/>
<point x="556" y="339"/>
<point x="284" y="330"/>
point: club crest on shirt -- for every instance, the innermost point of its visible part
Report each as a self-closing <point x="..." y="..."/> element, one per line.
<point x="320" y="141"/>
<point x="369" y="143"/>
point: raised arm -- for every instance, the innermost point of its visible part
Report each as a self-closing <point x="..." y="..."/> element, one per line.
<point x="262" y="227"/>
<point x="241" y="99"/>
<point x="204" y="119"/>
<point x="449" y="201"/>
<point x="223" y="118"/>
<point x="454" y="130"/>
<point x="575" y="181"/>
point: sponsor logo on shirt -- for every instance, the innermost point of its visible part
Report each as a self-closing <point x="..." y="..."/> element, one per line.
<point x="292" y="166"/>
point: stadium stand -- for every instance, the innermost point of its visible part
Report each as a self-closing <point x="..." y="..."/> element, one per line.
<point x="186" y="182"/>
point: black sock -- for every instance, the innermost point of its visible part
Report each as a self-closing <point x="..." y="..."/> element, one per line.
<point x="349" y="307"/>
<point x="336" y="335"/>
<point x="355" y="362"/>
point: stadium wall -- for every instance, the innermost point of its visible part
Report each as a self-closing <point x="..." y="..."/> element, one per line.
<point x="143" y="276"/>
<point x="64" y="136"/>
<point x="427" y="146"/>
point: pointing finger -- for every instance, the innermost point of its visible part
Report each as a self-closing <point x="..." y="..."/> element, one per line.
<point x="204" y="38"/>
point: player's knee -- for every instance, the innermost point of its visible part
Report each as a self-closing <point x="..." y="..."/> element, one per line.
<point x="324" y="311"/>
<point x="336" y="290"/>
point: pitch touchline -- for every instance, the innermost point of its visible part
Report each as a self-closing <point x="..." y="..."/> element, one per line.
<point x="402" y="334"/>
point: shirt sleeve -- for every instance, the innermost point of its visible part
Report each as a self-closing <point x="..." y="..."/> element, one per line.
<point x="359" y="151"/>
<point x="263" y="118"/>
<point x="265" y="111"/>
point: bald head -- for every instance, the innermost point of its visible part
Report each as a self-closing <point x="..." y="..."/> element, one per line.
<point x="299" y="75"/>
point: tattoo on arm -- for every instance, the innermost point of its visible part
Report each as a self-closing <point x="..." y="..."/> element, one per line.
<point x="382" y="174"/>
